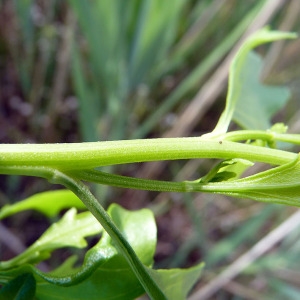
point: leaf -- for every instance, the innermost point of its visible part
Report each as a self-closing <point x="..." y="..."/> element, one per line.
<point x="70" y="231"/>
<point x="139" y="229"/>
<point x="279" y="128"/>
<point x="277" y="185"/>
<point x="257" y="103"/>
<point x="20" y="288"/>
<point x="49" y="203"/>
<point x="229" y="169"/>
<point x="105" y="274"/>
<point x="116" y="284"/>
<point x="201" y="70"/>
<point x="236" y="83"/>
<point x="176" y="283"/>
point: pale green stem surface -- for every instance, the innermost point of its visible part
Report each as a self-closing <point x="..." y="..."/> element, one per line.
<point x="90" y="155"/>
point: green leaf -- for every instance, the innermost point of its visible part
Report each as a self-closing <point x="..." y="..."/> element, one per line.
<point x="114" y="275"/>
<point x="105" y="274"/>
<point x="48" y="203"/>
<point x="200" y="71"/>
<point x="176" y="283"/>
<point x="70" y="231"/>
<point x="20" y="288"/>
<point x="236" y="88"/>
<point x="279" y="128"/>
<point x="257" y="103"/>
<point x="138" y="228"/>
<point x="277" y="185"/>
<point x="114" y="282"/>
<point x="227" y="170"/>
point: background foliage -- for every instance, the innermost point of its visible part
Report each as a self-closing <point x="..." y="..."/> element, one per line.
<point x="102" y="70"/>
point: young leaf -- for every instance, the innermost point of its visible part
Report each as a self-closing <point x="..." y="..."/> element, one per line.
<point x="70" y="231"/>
<point x="105" y="274"/>
<point x="257" y="103"/>
<point x="229" y="169"/>
<point x="49" y="203"/>
<point x="236" y="82"/>
<point x="140" y="230"/>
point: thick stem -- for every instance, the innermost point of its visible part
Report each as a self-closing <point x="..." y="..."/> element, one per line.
<point x="90" y="155"/>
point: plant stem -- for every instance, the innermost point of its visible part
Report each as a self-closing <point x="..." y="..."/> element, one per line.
<point x="243" y="135"/>
<point x="129" y="182"/>
<point x="81" y="190"/>
<point x="90" y="155"/>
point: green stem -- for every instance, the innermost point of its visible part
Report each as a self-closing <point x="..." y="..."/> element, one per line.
<point x="288" y="138"/>
<point x="244" y="135"/>
<point x="60" y="163"/>
<point x="90" y="155"/>
<point x="129" y="182"/>
<point x="82" y="192"/>
<point x="269" y="136"/>
<point x="139" y="183"/>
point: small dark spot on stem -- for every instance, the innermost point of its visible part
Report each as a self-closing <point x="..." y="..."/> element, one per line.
<point x="220" y="142"/>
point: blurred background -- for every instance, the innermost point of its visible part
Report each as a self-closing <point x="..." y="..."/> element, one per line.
<point x="75" y="71"/>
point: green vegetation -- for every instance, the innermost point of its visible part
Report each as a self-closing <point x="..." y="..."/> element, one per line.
<point x="121" y="263"/>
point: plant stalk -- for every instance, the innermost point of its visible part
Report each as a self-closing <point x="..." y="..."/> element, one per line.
<point x="77" y="156"/>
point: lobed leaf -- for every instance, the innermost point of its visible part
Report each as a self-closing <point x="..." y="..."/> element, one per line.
<point x="105" y="274"/>
<point x="70" y="231"/>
